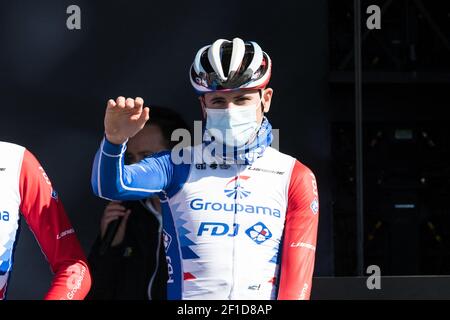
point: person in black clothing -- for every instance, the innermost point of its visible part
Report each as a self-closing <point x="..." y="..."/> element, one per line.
<point x="133" y="265"/>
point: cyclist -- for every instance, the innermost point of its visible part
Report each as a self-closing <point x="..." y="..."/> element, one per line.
<point x="25" y="188"/>
<point x="240" y="218"/>
<point x="133" y="266"/>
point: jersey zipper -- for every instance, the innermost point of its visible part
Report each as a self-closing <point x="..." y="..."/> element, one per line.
<point x="235" y="263"/>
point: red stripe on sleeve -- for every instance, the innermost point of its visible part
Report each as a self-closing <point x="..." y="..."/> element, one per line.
<point x="300" y="235"/>
<point x="48" y="220"/>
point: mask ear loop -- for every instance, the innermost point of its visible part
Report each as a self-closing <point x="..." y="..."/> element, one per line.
<point x="203" y="104"/>
<point x="260" y="97"/>
<point x="202" y="98"/>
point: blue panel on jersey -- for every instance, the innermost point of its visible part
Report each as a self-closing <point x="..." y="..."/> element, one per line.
<point x="4" y="267"/>
<point x="175" y="281"/>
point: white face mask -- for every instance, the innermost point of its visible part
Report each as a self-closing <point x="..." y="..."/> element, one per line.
<point x="232" y="126"/>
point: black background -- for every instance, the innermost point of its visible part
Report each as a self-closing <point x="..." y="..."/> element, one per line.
<point x="54" y="84"/>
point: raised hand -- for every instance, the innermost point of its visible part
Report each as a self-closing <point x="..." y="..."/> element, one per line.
<point x="124" y="118"/>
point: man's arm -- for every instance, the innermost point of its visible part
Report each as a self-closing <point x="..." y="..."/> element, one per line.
<point x="50" y="225"/>
<point x="300" y="235"/>
<point x="111" y="179"/>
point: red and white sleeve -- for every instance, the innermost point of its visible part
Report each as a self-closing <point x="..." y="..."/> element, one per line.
<point x="300" y="235"/>
<point x="48" y="220"/>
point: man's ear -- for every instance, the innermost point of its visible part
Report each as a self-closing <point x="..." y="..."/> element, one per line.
<point x="267" y="99"/>
<point x="202" y="103"/>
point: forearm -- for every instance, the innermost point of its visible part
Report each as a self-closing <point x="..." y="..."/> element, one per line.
<point x="108" y="164"/>
<point x="46" y="217"/>
<point x="71" y="282"/>
<point x="297" y="265"/>
<point x="113" y="180"/>
<point x="300" y="235"/>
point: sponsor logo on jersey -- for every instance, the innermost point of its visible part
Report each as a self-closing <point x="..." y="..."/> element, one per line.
<point x="304" y="291"/>
<point x="255" y="287"/>
<point x="44" y="175"/>
<point x="314" y="206"/>
<point x="234" y="188"/>
<point x="314" y="184"/>
<point x="199" y="204"/>
<point x="170" y="270"/>
<point x="167" y="238"/>
<point x="75" y="279"/>
<point x="4" y="215"/>
<point x="259" y="233"/>
<point x="54" y="194"/>
<point x="303" y="245"/>
<point x="65" y="233"/>
<point x="215" y="229"/>
<point x="265" y="170"/>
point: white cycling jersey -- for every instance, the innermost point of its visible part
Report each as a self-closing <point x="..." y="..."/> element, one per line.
<point x="230" y="231"/>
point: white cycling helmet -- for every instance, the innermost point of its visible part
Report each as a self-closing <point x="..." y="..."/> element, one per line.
<point x="229" y="65"/>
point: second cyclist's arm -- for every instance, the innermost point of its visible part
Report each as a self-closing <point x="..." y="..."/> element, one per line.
<point x="47" y="218"/>
<point x="113" y="180"/>
<point x="300" y="236"/>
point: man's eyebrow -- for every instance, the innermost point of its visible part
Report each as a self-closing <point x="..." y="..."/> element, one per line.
<point x="243" y="95"/>
<point x="217" y="99"/>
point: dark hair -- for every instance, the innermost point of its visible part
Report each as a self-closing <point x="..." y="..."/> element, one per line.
<point x="167" y="121"/>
